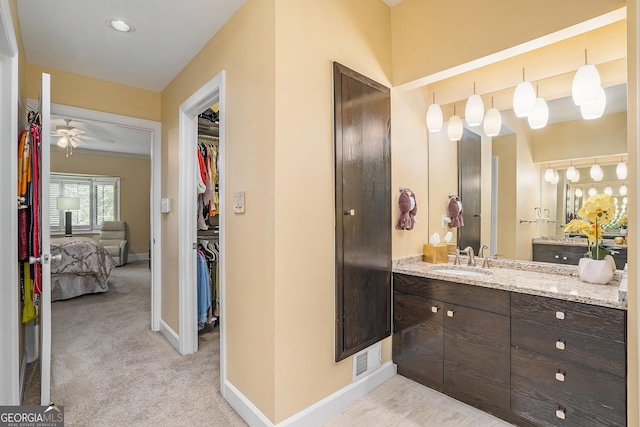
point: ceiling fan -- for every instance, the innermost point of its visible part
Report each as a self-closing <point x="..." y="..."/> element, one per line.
<point x="71" y="137"/>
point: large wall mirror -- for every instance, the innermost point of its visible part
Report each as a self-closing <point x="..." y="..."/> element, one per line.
<point x="518" y="204"/>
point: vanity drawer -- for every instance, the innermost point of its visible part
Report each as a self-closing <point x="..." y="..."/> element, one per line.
<point x="530" y="403"/>
<point x="588" y="350"/>
<point x="487" y="299"/>
<point x="585" y="318"/>
<point x="597" y="394"/>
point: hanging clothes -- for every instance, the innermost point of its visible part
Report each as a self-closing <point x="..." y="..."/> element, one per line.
<point x="204" y="293"/>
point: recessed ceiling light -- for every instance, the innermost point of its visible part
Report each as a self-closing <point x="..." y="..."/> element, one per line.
<point x="120" y="25"/>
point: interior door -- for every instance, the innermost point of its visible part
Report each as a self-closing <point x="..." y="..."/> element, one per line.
<point x="45" y="253"/>
<point x="363" y="211"/>
<point x="469" y="182"/>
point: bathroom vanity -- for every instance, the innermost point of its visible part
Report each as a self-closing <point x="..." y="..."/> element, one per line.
<point x="527" y="342"/>
<point x="569" y="251"/>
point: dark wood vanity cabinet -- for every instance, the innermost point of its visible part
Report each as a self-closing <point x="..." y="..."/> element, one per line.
<point x="443" y="339"/>
<point x="570" y="255"/>
<point x="568" y="362"/>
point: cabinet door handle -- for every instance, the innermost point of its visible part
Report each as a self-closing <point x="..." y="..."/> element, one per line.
<point x="561" y="413"/>
<point x="450" y="313"/>
<point x="350" y="212"/>
<point x="435" y="309"/>
<point x="557" y="257"/>
<point x="560" y="315"/>
<point x="564" y="258"/>
<point x="560" y="375"/>
<point x="560" y="345"/>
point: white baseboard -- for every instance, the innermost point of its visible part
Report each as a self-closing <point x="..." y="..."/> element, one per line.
<point x="138" y="257"/>
<point x="170" y="335"/>
<point x="316" y="413"/>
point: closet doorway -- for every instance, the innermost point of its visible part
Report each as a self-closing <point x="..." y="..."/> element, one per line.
<point x="209" y="94"/>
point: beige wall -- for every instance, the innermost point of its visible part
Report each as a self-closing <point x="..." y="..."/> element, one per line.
<point x="135" y="184"/>
<point x="504" y="148"/>
<point x="431" y="36"/>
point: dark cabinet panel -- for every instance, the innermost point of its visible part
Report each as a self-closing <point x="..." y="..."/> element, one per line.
<point x="570" y="255"/>
<point x="476" y="363"/>
<point x="418" y="339"/>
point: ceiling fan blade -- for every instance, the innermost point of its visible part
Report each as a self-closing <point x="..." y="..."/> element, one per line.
<point x="93" y="138"/>
<point x="75" y="142"/>
<point x="76" y="132"/>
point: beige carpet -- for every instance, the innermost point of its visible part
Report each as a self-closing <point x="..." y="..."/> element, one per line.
<point x="110" y="369"/>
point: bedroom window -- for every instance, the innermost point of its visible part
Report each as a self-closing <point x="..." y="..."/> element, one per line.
<point x="99" y="201"/>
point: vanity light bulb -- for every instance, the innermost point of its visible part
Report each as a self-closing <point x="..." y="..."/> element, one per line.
<point x="524" y="99"/>
<point x="556" y="178"/>
<point x="570" y="173"/>
<point x="608" y="190"/>
<point x="434" y="118"/>
<point x="548" y="174"/>
<point x="623" y="190"/>
<point x="454" y="128"/>
<point x="579" y="192"/>
<point x="621" y="170"/>
<point x="474" y="110"/>
<point x="596" y="172"/>
<point x="592" y="192"/>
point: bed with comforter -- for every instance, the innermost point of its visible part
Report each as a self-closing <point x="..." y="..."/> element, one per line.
<point x="84" y="267"/>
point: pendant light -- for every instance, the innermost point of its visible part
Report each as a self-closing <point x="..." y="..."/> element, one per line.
<point x="608" y="190"/>
<point x="576" y="176"/>
<point x="579" y="192"/>
<point x="548" y="173"/>
<point x="596" y="172"/>
<point x="524" y="98"/>
<point x="586" y="83"/>
<point x="621" y="170"/>
<point x="539" y="117"/>
<point x="434" y="116"/>
<point x="595" y="109"/>
<point x="571" y="171"/>
<point x="454" y="128"/>
<point x="592" y="191"/>
<point x="556" y="177"/>
<point x="474" y="110"/>
<point x="493" y="123"/>
<point x="623" y="190"/>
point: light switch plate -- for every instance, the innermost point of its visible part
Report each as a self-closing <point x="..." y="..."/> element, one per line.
<point x="238" y="202"/>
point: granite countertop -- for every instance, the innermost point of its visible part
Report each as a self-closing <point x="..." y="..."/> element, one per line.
<point x="573" y="241"/>
<point x="535" y="278"/>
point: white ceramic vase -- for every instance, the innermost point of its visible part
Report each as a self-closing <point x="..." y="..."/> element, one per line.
<point x="595" y="271"/>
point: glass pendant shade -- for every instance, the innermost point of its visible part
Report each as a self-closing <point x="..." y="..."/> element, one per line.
<point x="596" y="172"/>
<point x="571" y="171"/>
<point x="524" y="99"/>
<point x="621" y="170"/>
<point x="592" y="192"/>
<point x="576" y="176"/>
<point x="62" y="142"/>
<point x="548" y="174"/>
<point x="492" y="122"/>
<point x="474" y="110"/>
<point x="556" y="178"/>
<point x="540" y="115"/>
<point x="608" y="190"/>
<point x="623" y="190"/>
<point x="454" y="128"/>
<point x="595" y="109"/>
<point x="579" y="192"/>
<point x="586" y="85"/>
<point x="434" y="118"/>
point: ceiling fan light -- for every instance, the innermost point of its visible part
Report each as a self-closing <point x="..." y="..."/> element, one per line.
<point x="596" y="172"/>
<point x="454" y="128"/>
<point x="524" y="99"/>
<point x="586" y="84"/>
<point x="595" y="109"/>
<point x="474" y="110"/>
<point x="539" y="117"/>
<point x="592" y="191"/>
<point x="492" y="122"/>
<point x="621" y="170"/>
<point x="548" y="173"/>
<point x="623" y="190"/>
<point x="62" y="142"/>
<point x="434" y="118"/>
<point x="74" y="142"/>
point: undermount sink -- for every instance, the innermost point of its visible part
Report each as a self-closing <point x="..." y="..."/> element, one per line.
<point x="459" y="270"/>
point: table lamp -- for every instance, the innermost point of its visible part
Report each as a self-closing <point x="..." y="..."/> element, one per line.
<point x="68" y="204"/>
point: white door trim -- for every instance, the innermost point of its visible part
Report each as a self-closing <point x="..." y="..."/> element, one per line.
<point x="207" y="95"/>
<point x="10" y="388"/>
<point x="156" y="174"/>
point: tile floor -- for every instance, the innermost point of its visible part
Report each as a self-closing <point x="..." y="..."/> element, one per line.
<point x="401" y="402"/>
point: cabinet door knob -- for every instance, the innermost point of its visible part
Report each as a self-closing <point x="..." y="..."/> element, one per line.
<point x="557" y="257"/>
<point x="560" y="315"/>
<point x="560" y="345"/>
<point x="561" y="413"/>
<point x="560" y="376"/>
<point x="564" y="258"/>
<point x="450" y="313"/>
<point x="434" y="309"/>
<point x="350" y="212"/>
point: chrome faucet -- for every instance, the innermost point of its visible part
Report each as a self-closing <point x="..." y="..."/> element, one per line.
<point x="469" y="251"/>
<point x="457" y="260"/>
<point x="481" y="251"/>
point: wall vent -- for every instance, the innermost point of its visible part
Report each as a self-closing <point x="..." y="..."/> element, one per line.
<point x="367" y="361"/>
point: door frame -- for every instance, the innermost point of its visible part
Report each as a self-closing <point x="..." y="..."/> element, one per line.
<point x="11" y="367"/>
<point x="211" y="92"/>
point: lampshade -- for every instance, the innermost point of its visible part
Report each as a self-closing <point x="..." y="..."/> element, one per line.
<point x="556" y="178"/>
<point x="62" y="142"/>
<point x="592" y="192"/>
<point x="454" y="128"/>
<point x="576" y="176"/>
<point x="608" y="190"/>
<point x="623" y="190"/>
<point x="571" y="171"/>
<point x="539" y="117"/>
<point x="474" y="110"/>
<point x="586" y="85"/>
<point x="68" y="203"/>
<point x="596" y="172"/>
<point x="524" y="99"/>
<point x="548" y="173"/>
<point x="621" y="170"/>
<point x="434" y="118"/>
<point x="579" y="192"/>
<point x="492" y="122"/>
<point x="594" y="110"/>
